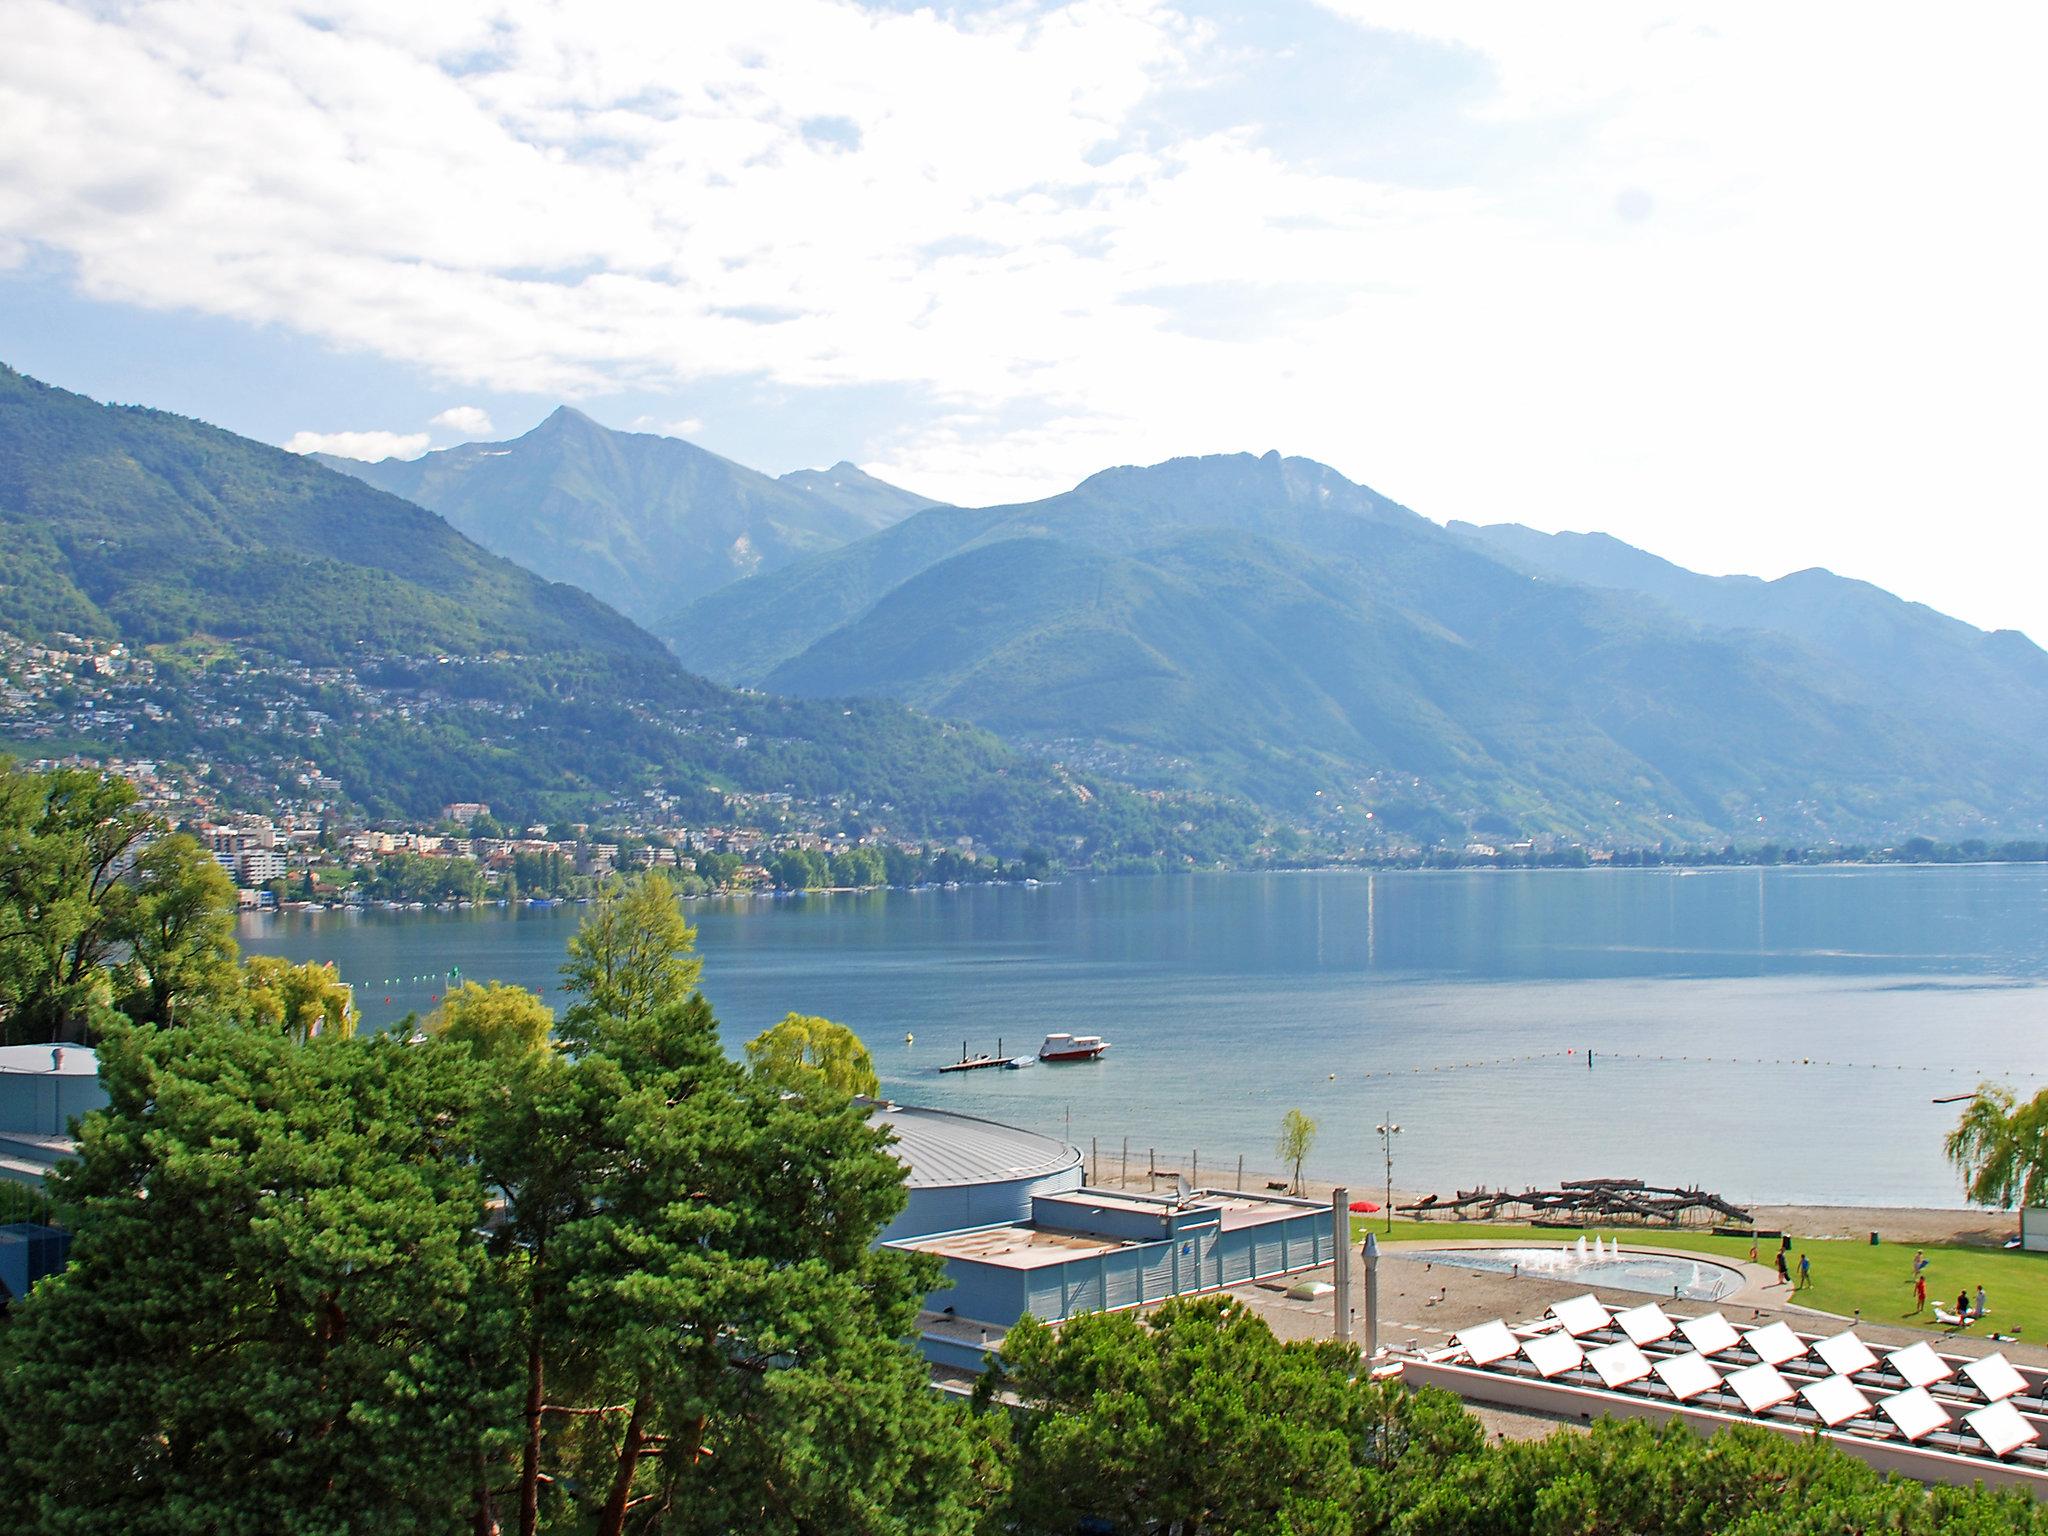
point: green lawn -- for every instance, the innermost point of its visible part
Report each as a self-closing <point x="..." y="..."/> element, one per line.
<point x="1847" y="1276"/>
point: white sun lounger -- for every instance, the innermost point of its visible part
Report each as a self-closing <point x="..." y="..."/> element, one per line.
<point x="1760" y="1387"/>
<point x="1775" y="1344"/>
<point x="1845" y="1354"/>
<point x="1995" y="1377"/>
<point x="1618" y="1364"/>
<point x="1915" y="1411"/>
<point x="1581" y="1315"/>
<point x="1553" y="1354"/>
<point x="1919" y="1365"/>
<point x="1836" y="1399"/>
<point x="1488" y="1343"/>
<point x="1647" y="1324"/>
<point x="2002" y="1428"/>
<point x="1709" y="1334"/>
<point x="1688" y="1375"/>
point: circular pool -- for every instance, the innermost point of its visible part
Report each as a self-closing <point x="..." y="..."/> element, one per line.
<point x="1658" y="1274"/>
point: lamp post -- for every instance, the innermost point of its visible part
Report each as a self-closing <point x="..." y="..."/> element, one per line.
<point x="1388" y="1131"/>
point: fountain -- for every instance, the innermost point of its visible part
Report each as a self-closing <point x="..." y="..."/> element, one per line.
<point x="1582" y="1247"/>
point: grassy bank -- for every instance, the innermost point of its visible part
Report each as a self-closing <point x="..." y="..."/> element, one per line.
<point x="1848" y="1277"/>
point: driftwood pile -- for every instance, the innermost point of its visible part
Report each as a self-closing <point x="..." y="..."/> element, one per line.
<point x="1579" y="1201"/>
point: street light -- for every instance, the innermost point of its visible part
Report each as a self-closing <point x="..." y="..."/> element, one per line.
<point x="1388" y="1131"/>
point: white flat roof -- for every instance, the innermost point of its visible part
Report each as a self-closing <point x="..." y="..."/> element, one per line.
<point x="77" y="1060"/>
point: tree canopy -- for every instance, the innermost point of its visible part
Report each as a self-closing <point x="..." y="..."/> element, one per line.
<point x="632" y="954"/>
<point x="1297" y="1136"/>
<point x="493" y="1019"/>
<point x="2000" y="1147"/>
<point x="803" y="1052"/>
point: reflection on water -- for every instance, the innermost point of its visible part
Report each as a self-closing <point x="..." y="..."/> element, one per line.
<point x="1231" y="998"/>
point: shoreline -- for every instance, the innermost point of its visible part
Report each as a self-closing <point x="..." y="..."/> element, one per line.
<point x="1941" y="1226"/>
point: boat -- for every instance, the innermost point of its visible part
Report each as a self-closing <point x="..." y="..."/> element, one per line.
<point x="1018" y="1063"/>
<point x="1064" y="1047"/>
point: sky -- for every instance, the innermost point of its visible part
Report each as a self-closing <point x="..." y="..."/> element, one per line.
<point x="1755" y="286"/>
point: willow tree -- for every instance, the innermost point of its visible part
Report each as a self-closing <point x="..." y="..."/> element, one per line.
<point x="1297" y="1136"/>
<point x="804" y="1051"/>
<point x="2000" y="1147"/>
<point x="632" y="956"/>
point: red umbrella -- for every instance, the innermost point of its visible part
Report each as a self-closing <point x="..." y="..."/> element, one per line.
<point x="1364" y="1207"/>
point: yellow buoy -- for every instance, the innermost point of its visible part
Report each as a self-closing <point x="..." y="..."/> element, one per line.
<point x="909" y="1039"/>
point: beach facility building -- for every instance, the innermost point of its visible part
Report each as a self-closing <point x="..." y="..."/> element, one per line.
<point x="1020" y="1234"/>
<point x="42" y="1087"/>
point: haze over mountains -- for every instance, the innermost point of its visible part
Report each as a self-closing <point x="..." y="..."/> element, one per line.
<point x="644" y="521"/>
<point x="1267" y="627"/>
<point x="1259" y="628"/>
<point x="283" y="619"/>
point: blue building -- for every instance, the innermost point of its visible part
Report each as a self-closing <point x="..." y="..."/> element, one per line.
<point x="1007" y="1211"/>
<point x="43" y="1088"/>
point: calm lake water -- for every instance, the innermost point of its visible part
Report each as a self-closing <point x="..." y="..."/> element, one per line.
<point x="1776" y="1036"/>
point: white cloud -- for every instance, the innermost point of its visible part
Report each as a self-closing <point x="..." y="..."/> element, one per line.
<point x="472" y="421"/>
<point x="361" y="445"/>
<point x="1755" y="286"/>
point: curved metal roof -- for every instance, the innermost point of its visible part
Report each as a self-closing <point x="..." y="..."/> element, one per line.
<point x="941" y="1148"/>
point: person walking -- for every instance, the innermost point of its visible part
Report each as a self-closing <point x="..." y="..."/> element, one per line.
<point x="1805" y="1273"/>
<point x="1919" y="1293"/>
<point x="1919" y="1262"/>
<point x="1752" y="1248"/>
<point x="1784" y="1275"/>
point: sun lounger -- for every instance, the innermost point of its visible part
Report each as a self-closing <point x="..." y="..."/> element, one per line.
<point x="1950" y="1320"/>
<point x="1775" y="1344"/>
<point x="2002" y="1428"/>
<point x="1995" y="1377"/>
<point x="1488" y="1342"/>
<point x="1836" y="1399"/>
<point x="1915" y="1411"/>
<point x="1581" y="1315"/>
<point x="1553" y="1354"/>
<point x="1845" y="1354"/>
<point x="1619" y="1364"/>
<point x="1919" y="1365"/>
<point x="1688" y="1375"/>
<point x="1760" y="1387"/>
<point x="1709" y="1334"/>
<point x="1647" y="1324"/>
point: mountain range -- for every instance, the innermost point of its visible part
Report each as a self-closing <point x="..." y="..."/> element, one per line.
<point x="281" y="619"/>
<point x="1264" y="626"/>
<point x="641" y="521"/>
<point x="1249" y="630"/>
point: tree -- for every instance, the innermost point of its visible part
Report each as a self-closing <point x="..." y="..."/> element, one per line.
<point x="493" y="1019"/>
<point x="297" y="1001"/>
<point x="1196" y="1419"/>
<point x="65" y="839"/>
<point x="631" y="956"/>
<point x="1297" y="1136"/>
<point x="180" y="931"/>
<point x="277" y="1315"/>
<point x="2000" y="1147"/>
<point x="804" y="1051"/>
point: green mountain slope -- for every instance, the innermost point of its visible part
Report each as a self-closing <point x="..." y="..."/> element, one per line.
<point x="285" y="620"/>
<point x="854" y="490"/>
<point x="639" y="520"/>
<point x="1997" y="682"/>
<point x="1262" y="625"/>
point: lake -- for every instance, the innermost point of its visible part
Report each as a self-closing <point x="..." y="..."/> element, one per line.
<point x="1772" y="1035"/>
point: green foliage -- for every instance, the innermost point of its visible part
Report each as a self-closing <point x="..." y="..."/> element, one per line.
<point x="1297" y="1137"/>
<point x="1197" y="1419"/>
<point x="632" y="955"/>
<point x="64" y="838"/>
<point x="1627" y="1479"/>
<point x="297" y="1002"/>
<point x="277" y="1315"/>
<point x="180" y="933"/>
<point x="2000" y="1147"/>
<point x="805" y="1052"/>
<point x="493" y="1019"/>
